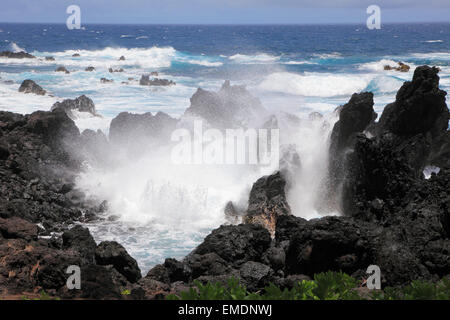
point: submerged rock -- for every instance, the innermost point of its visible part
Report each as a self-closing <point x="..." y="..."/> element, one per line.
<point x="402" y="67"/>
<point x="29" y="86"/>
<point x="104" y="80"/>
<point x="62" y="69"/>
<point x="146" y="81"/>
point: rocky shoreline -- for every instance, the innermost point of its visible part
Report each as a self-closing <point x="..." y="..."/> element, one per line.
<point x="391" y="215"/>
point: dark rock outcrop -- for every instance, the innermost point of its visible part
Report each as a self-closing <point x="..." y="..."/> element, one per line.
<point x="16" y="55"/>
<point x="80" y="104"/>
<point x="236" y="244"/>
<point x="29" y="86"/>
<point x="80" y="239"/>
<point x="135" y="130"/>
<point x="89" y="69"/>
<point x="62" y="69"/>
<point x="146" y="81"/>
<point x="418" y="117"/>
<point x="104" y="80"/>
<point x="230" y="107"/>
<point x="402" y="67"/>
<point x="355" y="116"/>
<point x="112" y="253"/>
<point x="267" y="202"/>
<point x="15" y="227"/>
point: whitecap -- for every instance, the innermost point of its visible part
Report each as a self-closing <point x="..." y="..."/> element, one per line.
<point x="254" y="59"/>
<point x="15" y="48"/>
<point x="315" y="84"/>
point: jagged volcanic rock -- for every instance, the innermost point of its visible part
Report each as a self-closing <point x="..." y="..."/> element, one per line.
<point x="135" y="131"/>
<point x="80" y="104"/>
<point x="16" y="55"/>
<point x="29" y="86"/>
<point x="232" y="106"/>
<point x="267" y="202"/>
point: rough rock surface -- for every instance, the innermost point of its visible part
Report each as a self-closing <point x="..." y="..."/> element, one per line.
<point x="62" y="69"/>
<point x="29" y="86"/>
<point x="146" y="81"/>
<point x="80" y="104"/>
<point x="136" y="130"/>
<point x="392" y="216"/>
<point x="112" y="253"/>
<point x="16" y="55"/>
<point x="267" y="202"/>
<point x="418" y="118"/>
<point x="232" y="106"/>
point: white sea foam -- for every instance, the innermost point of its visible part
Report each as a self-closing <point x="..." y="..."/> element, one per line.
<point x="434" y="41"/>
<point x="333" y="55"/>
<point x="15" y="48"/>
<point x="254" y="59"/>
<point x="315" y="84"/>
<point x="299" y="62"/>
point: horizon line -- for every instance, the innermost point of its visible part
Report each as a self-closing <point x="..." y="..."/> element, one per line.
<point x="226" y="24"/>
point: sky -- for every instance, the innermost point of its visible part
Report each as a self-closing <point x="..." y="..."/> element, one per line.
<point x="224" y="11"/>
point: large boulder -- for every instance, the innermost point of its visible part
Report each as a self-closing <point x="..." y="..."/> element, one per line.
<point x="236" y="244"/>
<point x="267" y="202"/>
<point x="329" y="243"/>
<point x="15" y="227"/>
<point x="56" y="128"/>
<point x="29" y="86"/>
<point x="210" y="264"/>
<point x="113" y="253"/>
<point x="81" y="240"/>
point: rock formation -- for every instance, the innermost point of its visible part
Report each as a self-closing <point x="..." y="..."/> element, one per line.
<point x="29" y="86"/>
<point x="80" y="104"/>
<point x="16" y="55"/>
<point x="230" y="107"/>
<point x="146" y="81"/>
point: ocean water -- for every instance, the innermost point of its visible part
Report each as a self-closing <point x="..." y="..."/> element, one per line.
<point x="160" y="212"/>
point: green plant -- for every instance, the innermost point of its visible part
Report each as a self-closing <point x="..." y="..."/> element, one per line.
<point x="325" y="286"/>
<point x="125" y="292"/>
<point x="42" y="296"/>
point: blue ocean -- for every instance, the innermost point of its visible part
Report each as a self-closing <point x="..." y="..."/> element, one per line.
<point x="297" y="69"/>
